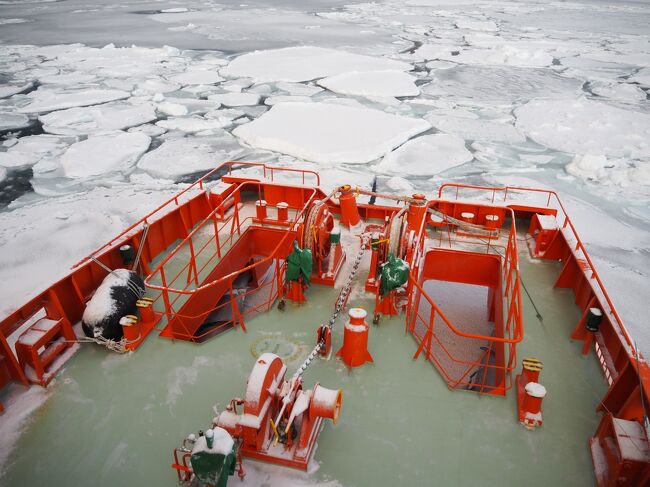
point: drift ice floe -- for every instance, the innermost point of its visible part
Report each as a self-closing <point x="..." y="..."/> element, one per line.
<point x="237" y="244"/>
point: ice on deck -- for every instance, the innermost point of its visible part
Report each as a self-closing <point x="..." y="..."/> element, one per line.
<point x="329" y="133"/>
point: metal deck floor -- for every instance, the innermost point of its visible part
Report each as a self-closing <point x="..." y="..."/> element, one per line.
<point x="113" y="420"/>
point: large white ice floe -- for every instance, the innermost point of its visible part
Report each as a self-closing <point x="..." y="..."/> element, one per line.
<point x="329" y="133"/>
<point x="100" y="118"/>
<point x="426" y="156"/>
<point x="372" y="83"/>
<point x="104" y="154"/>
<point x="11" y="89"/>
<point x="625" y="92"/>
<point x="177" y="157"/>
<point x="583" y="126"/>
<point x="47" y="100"/>
<point x="32" y="149"/>
<point x="471" y="128"/>
<point x="304" y="64"/>
<point x="13" y="121"/>
<point x="484" y="85"/>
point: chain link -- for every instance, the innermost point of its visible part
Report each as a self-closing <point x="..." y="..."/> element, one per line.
<point x="340" y="304"/>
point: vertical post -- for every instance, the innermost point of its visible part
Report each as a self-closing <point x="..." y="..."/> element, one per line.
<point x="165" y="295"/>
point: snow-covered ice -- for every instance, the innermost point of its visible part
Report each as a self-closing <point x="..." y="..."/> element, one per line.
<point x="474" y="128"/>
<point x="99" y="118"/>
<point x="583" y="126"/>
<point x="329" y="133"/>
<point x="372" y="84"/>
<point x="48" y="100"/>
<point x="426" y="155"/>
<point x="32" y="149"/>
<point x="177" y="157"/>
<point x="193" y="124"/>
<point x="104" y="154"/>
<point x="305" y="64"/>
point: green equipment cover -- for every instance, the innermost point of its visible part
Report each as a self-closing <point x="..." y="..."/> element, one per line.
<point x="394" y="274"/>
<point x="213" y="468"/>
<point x="299" y="263"/>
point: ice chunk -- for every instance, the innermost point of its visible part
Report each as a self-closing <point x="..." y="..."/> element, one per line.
<point x="13" y="121"/>
<point x="304" y="63"/>
<point x="192" y="124"/>
<point x="497" y="84"/>
<point x="329" y="133"/>
<point x="236" y="99"/>
<point x="582" y="126"/>
<point x="618" y="91"/>
<point x="372" y="84"/>
<point x="48" y="100"/>
<point x="32" y="149"/>
<point x="3" y="174"/>
<point x="10" y="90"/>
<point x="173" y="109"/>
<point x="196" y="78"/>
<point x="475" y="129"/>
<point x="177" y="157"/>
<point x="157" y="85"/>
<point x="101" y="154"/>
<point x="426" y="156"/>
<point x="73" y="78"/>
<point x="100" y="118"/>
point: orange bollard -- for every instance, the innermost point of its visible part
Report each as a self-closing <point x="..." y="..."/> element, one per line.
<point x="531" y="367"/>
<point x="260" y="209"/>
<point x="354" y="351"/>
<point x="283" y="211"/>
<point x="130" y="327"/>
<point x="532" y="405"/>
<point x="416" y="212"/>
<point x="145" y="308"/>
<point x="348" y="202"/>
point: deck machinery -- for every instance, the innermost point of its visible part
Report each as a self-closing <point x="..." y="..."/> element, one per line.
<point x="248" y="236"/>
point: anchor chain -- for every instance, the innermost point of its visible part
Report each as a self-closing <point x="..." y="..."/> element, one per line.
<point x="340" y="304"/>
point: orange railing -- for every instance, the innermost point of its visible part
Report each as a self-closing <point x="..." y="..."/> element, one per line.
<point x="234" y="225"/>
<point x="199" y="186"/>
<point x="499" y="357"/>
<point x="549" y="199"/>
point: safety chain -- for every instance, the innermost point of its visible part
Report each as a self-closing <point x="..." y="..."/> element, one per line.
<point x="340" y="303"/>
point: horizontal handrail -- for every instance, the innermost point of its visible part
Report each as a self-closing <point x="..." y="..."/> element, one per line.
<point x="579" y="245"/>
<point x="198" y="184"/>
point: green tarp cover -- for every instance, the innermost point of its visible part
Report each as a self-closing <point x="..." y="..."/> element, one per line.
<point x="213" y="468"/>
<point x="299" y="264"/>
<point x="394" y="274"/>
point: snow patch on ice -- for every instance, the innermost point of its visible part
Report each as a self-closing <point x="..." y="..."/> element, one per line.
<point x="328" y="133"/>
